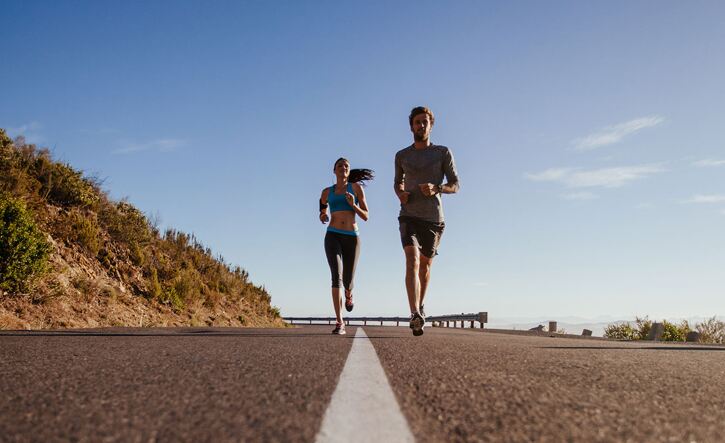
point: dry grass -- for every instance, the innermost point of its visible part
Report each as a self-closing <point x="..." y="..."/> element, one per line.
<point x="109" y="266"/>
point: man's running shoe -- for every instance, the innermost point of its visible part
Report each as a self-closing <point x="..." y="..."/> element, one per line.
<point x="339" y="329"/>
<point x="417" y="323"/>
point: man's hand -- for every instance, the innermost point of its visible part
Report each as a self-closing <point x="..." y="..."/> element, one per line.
<point x="428" y="189"/>
<point x="324" y="218"/>
<point x="403" y="197"/>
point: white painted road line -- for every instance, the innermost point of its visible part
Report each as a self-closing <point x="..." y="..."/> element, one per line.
<point x="363" y="407"/>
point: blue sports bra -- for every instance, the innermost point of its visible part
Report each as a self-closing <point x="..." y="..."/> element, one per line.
<point x="338" y="202"/>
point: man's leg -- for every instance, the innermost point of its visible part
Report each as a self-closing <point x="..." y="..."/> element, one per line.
<point x="412" y="282"/>
<point x="424" y="276"/>
<point x="431" y="238"/>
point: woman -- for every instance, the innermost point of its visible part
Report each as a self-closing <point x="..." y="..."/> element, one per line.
<point x="342" y="244"/>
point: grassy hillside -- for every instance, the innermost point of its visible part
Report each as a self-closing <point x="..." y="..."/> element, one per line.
<point x="72" y="257"/>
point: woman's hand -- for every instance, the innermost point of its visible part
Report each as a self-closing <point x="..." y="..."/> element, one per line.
<point x="324" y="218"/>
<point x="350" y="199"/>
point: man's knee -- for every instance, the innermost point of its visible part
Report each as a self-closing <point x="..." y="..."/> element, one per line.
<point x="412" y="258"/>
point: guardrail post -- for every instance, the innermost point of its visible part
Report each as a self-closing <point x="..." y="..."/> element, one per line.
<point x="483" y="318"/>
<point x="381" y="322"/>
<point x="655" y="333"/>
<point x="397" y="322"/>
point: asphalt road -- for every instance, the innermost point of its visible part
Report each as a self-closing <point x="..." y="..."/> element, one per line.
<point x="275" y="385"/>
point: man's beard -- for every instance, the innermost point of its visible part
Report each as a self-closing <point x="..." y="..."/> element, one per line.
<point x="420" y="136"/>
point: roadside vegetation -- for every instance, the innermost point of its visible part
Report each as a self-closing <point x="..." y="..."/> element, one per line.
<point x="711" y="330"/>
<point x="72" y="256"/>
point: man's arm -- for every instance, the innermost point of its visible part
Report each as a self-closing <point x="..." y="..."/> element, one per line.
<point x="449" y="170"/>
<point x="399" y="182"/>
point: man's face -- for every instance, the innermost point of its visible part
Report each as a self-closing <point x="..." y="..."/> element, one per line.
<point x="421" y="127"/>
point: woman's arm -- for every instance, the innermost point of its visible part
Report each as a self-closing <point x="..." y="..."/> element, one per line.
<point x="361" y="208"/>
<point x="323" y="205"/>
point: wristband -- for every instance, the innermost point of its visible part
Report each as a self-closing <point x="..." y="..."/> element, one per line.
<point x="323" y="207"/>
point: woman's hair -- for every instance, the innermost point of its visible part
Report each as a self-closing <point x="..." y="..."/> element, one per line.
<point x="356" y="175"/>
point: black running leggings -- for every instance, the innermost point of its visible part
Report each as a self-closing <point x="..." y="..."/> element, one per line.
<point x="342" y="252"/>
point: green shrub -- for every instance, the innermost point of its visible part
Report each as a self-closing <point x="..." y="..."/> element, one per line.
<point x="155" y="286"/>
<point x="711" y="330"/>
<point x="23" y="249"/>
<point x="64" y="185"/>
<point x="674" y="332"/>
<point x="274" y="312"/>
<point x="643" y="326"/>
<point x="138" y="257"/>
<point x="125" y="223"/>
<point x="171" y="297"/>
<point x="621" y="331"/>
<point x="84" y="231"/>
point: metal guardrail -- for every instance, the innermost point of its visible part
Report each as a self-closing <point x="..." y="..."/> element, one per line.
<point x="436" y="320"/>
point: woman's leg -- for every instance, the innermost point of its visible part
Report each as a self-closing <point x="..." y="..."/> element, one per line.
<point x="333" y="251"/>
<point x="350" y="254"/>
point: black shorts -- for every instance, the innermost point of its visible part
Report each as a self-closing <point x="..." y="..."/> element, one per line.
<point x="425" y="235"/>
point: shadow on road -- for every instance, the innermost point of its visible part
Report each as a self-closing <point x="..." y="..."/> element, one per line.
<point x="638" y="348"/>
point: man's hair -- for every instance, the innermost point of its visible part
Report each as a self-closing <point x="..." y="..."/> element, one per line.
<point x="421" y="110"/>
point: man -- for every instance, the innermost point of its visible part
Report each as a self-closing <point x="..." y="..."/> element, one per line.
<point x="419" y="171"/>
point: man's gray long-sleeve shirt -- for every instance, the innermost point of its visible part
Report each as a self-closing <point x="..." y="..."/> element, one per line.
<point x="417" y="166"/>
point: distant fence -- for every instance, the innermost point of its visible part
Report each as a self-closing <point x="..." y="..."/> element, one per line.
<point x="445" y="321"/>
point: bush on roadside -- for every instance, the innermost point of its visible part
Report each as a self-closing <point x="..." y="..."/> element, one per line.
<point x="675" y="332"/>
<point x="24" y="250"/>
<point x="83" y="230"/>
<point x="125" y="223"/>
<point x="621" y="331"/>
<point x="711" y="330"/>
<point x="63" y="185"/>
<point x="642" y="325"/>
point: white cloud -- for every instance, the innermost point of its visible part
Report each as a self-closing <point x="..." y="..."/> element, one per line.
<point x="614" y="134"/>
<point x="708" y="163"/>
<point x="554" y="174"/>
<point x="698" y="198"/>
<point x="30" y="131"/>
<point x="580" y="196"/>
<point x="161" y="145"/>
<point x="604" y="178"/>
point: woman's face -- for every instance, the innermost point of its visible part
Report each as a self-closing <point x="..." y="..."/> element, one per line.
<point x="342" y="168"/>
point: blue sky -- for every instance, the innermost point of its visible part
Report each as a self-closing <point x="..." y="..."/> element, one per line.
<point x="588" y="138"/>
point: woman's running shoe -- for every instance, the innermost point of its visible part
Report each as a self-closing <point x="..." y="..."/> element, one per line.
<point x="349" y="304"/>
<point x="339" y="329"/>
